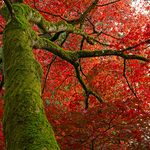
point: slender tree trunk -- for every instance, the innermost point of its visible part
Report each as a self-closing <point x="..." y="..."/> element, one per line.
<point x="25" y="124"/>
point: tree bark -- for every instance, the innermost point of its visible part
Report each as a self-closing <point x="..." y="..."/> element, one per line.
<point x="25" y="124"/>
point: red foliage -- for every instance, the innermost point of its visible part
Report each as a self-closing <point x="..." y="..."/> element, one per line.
<point x="122" y="121"/>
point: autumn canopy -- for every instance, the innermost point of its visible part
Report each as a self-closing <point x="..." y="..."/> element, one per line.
<point x="95" y="84"/>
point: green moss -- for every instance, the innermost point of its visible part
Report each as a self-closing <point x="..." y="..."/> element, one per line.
<point x="25" y="124"/>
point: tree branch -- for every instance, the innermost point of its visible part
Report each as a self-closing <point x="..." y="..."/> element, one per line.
<point x="49" y="13"/>
<point x="131" y="47"/>
<point x="124" y="74"/>
<point x="86" y="89"/>
<point x="110" y="35"/>
<point x="1" y="26"/>
<point x="72" y="57"/>
<point x="81" y="46"/>
<point x="49" y="27"/>
<point x="108" y="3"/>
<point x="85" y="54"/>
<point x="9" y="6"/>
<point x="84" y="15"/>
<point x="99" y="33"/>
<point x="49" y="66"/>
<point x="2" y="83"/>
<point x="42" y="43"/>
<point x="1" y="60"/>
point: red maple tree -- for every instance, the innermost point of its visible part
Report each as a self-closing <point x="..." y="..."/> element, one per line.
<point x="115" y="111"/>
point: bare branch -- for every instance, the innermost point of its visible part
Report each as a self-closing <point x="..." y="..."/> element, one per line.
<point x="86" y="101"/>
<point x="2" y="83"/>
<point x="86" y="89"/>
<point x="1" y="26"/>
<point x="146" y="47"/>
<point x="63" y="81"/>
<point x="49" y="13"/>
<point x="99" y="33"/>
<point x="81" y="46"/>
<point x="84" y="15"/>
<point x="1" y="60"/>
<point x="49" y="66"/>
<point x="124" y="74"/>
<point x="9" y="6"/>
<point x="111" y="35"/>
<point x="131" y="47"/>
<point x="108" y="3"/>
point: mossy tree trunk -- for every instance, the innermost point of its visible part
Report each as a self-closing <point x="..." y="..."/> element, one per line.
<point x="25" y="124"/>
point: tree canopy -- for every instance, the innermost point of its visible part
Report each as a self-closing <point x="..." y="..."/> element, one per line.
<point x="96" y="74"/>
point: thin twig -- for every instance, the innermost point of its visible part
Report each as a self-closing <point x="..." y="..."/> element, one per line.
<point x="131" y="47"/>
<point x="54" y="58"/>
<point x="2" y="83"/>
<point x="86" y="101"/>
<point x="81" y="46"/>
<point x="124" y="74"/>
<point x="63" y="81"/>
<point x="1" y="60"/>
<point x="111" y="35"/>
<point x="49" y="13"/>
<point x="108" y="3"/>
<point x="1" y="26"/>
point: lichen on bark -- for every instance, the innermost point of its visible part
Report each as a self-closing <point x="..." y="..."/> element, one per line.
<point x="25" y="124"/>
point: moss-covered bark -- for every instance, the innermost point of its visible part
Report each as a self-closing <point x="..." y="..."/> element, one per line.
<point x="25" y="124"/>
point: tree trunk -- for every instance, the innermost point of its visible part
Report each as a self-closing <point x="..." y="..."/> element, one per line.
<point x="25" y="124"/>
